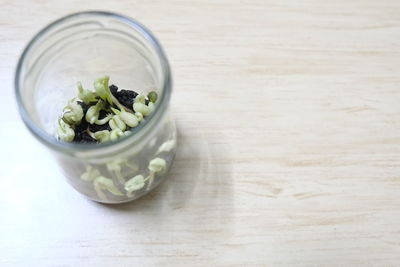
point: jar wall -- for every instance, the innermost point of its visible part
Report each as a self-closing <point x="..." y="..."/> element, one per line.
<point x="83" y="47"/>
<point x="92" y="176"/>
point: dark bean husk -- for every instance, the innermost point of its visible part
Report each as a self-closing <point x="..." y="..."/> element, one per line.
<point x="113" y="89"/>
<point x="82" y="126"/>
<point x="95" y="128"/>
<point x="126" y="97"/>
<point x="86" y="138"/>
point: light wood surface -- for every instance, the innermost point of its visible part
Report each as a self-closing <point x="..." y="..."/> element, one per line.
<point x="289" y="150"/>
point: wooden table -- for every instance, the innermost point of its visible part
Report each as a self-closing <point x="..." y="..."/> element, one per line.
<point x="289" y="142"/>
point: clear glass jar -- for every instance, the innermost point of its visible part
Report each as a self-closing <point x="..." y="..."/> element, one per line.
<point x="83" y="47"/>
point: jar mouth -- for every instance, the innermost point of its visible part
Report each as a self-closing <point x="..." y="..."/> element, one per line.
<point x="146" y="125"/>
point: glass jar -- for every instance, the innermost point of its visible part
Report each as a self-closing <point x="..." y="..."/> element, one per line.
<point x="82" y="47"/>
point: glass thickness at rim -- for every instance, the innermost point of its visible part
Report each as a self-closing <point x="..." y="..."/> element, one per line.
<point x="61" y="146"/>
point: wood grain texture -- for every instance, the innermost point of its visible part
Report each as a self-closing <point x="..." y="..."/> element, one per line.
<point x="289" y="149"/>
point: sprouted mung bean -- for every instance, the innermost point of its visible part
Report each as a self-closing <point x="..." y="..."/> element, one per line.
<point x="104" y="114"/>
<point x="107" y="114"/>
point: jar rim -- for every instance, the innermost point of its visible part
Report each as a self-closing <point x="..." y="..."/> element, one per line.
<point x="48" y="139"/>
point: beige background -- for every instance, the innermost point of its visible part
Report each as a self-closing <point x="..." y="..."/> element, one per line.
<point x="289" y="125"/>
